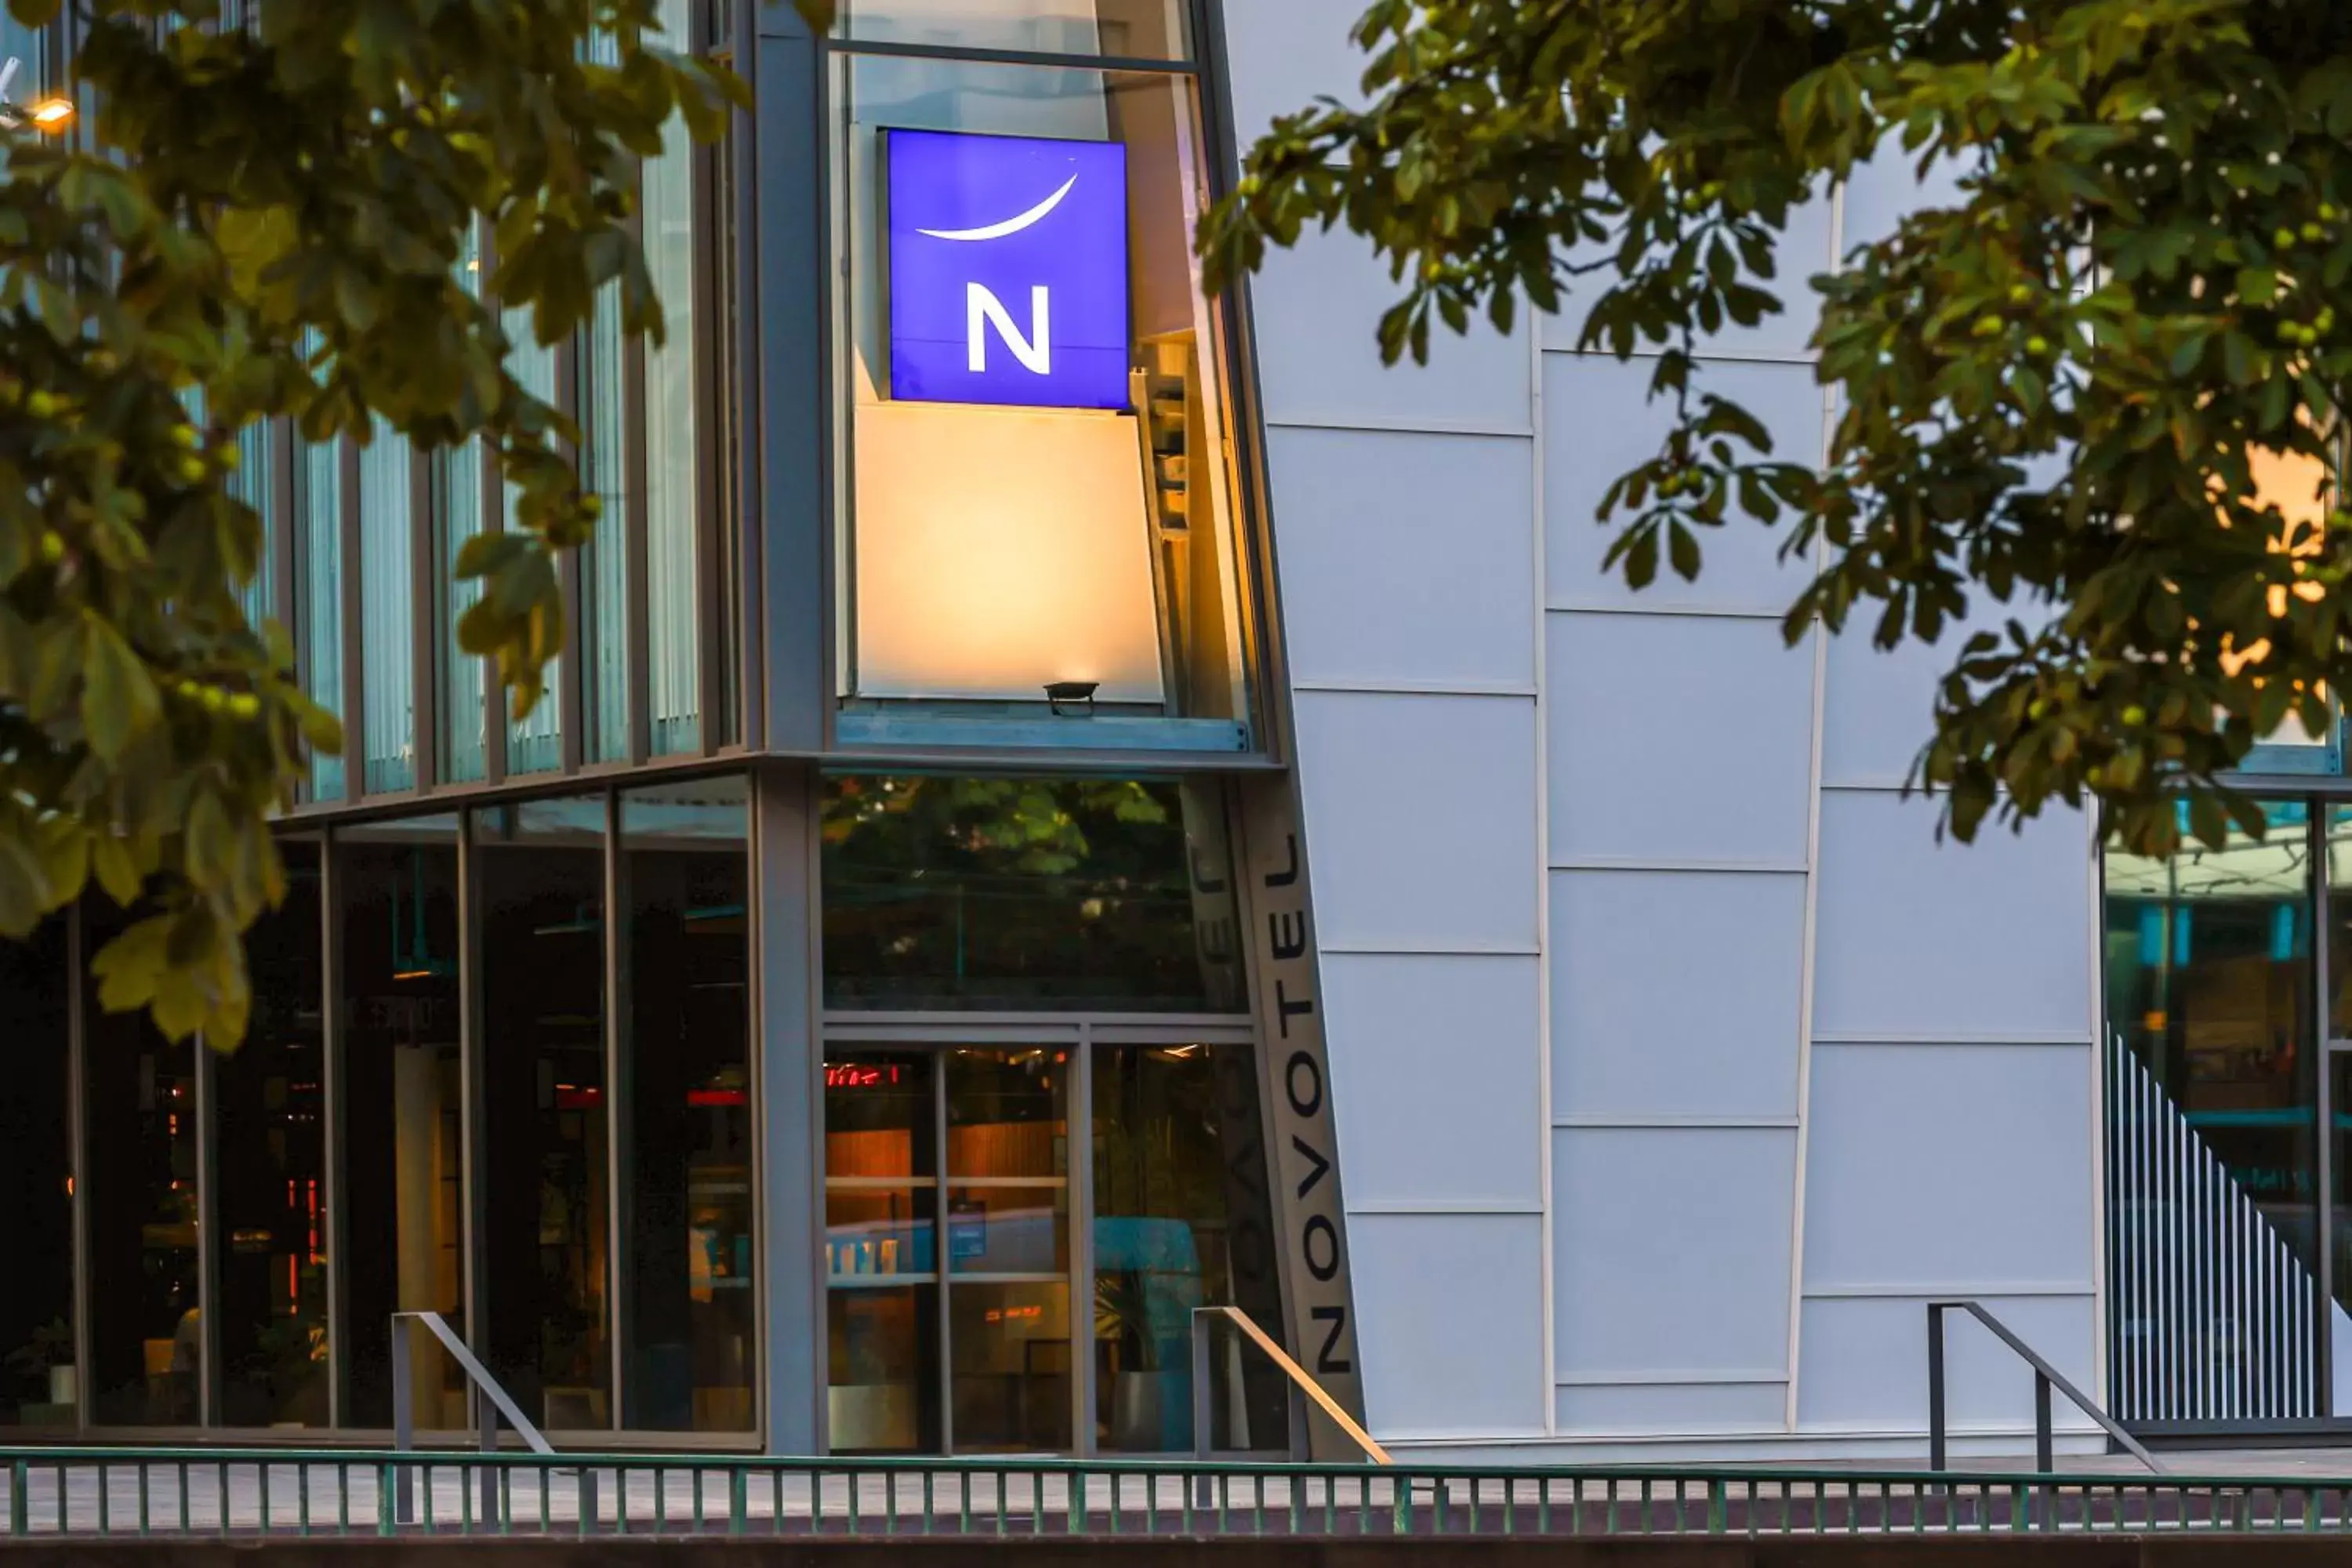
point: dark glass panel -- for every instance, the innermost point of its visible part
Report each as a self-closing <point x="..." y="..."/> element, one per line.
<point x="881" y="1203"/>
<point x="882" y="1361"/>
<point x="1010" y="1377"/>
<point x="544" y="1157"/>
<point x="693" y="1336"/>
<point x="269" y="1099"/>
<point x="1042" y="894"/>
<point x="146" y="1339"/>
<point x="402" y="1107"/>
<point x="1181" y="1221"/>
<point x="38" y="1382"/>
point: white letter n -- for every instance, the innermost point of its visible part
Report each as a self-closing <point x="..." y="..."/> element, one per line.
<point x="1036" y="351"/>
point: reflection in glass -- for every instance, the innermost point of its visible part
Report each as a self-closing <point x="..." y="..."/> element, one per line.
<point x="387" y="611"/>
<point x="1009" y="1375"/>
<point x="254" y="482"/>
<point x="1134" y="30"/>
<point x="2208" y="980"/>
<point x="40" y="1385"/>
<point x="319" y="604"/>
<point x="994" y="892"/>
<point x="604" y="560"/>
<point x="673" y="459"/>
<point x="882" y="1370"/>
<point x="145" y="1337"/>
<point x="544" y="1160"/>
<point x="269" y="1097"/>
<point x="534" y="740"/>
<point x="457" y="517"/>
<point x="693" y="1336"/>
<point x="1181" y="1221"/>
<point x="881" y="1192"/>
<point x="401" y="1107"/>
<point x="1007" y="543"/>
<point x="1008" y="1148"/>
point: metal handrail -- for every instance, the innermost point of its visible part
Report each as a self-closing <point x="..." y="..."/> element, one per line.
<point x="1202" y="1407"/>
<point x="2045" y="1377"/>
<point x="491" y="1400"/>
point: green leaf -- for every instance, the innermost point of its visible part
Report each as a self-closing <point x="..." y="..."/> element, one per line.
<point x="119" y="700"/>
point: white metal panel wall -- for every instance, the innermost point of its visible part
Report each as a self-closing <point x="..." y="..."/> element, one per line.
<point x="1672" y="1060"/>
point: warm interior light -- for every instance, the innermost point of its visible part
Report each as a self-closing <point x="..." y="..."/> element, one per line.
<point x="51" y="113"/>
<point x="1000" y="551"/>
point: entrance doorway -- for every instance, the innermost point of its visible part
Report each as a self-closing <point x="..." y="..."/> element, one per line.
<point x="1018" y="1230"/>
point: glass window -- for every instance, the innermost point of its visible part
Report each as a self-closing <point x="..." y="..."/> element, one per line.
<point x="998" y="892"/>
<point x="1040" y="517"/>
<point x="2209" y="979"/>
<point x="318" y="606"/>
<point x="1181" y="1221"/>
<point x="255" y="484"/>
<point x="457" y="516"/>
<point x="881" y="1198"/>
<point x="545" y="1151"/>
<point x="401" y="1097"/>
<point x="604" y="560"/>
<point x="269" y="1109"/>
<point x="674" y="464"/>
<point x="40" y="1385"/>
<point x="387" y="610"/>
<point x="1133" y="29"/>
<point x="145" y="1337"/>
<point x="534" y="740"/>
<point x="693" y="1336"/>
<point x="1008" y="1248"/>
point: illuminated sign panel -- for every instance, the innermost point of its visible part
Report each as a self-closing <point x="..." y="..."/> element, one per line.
<point x="1008" y="270"/>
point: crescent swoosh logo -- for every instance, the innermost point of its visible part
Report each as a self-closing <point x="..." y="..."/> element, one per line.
<point x="1035" y="215"/>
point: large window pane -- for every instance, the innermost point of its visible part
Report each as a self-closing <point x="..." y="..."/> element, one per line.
<point x="1135" y="29"/>
<point x="2210" y="981"/>
<point x="272" y="1182"/>
<point x="673" y="459"/>
<point x="881" y="1198"/>
<point x="401" y="1095"/>
<point x="1040" y="522"/>
<point x="255" y="484"/>
<point x="996" y="892"/>
<point x="319" y="599"/>
<point x="604" y="560"/>
<point x="1008" y="1150"/>
<point x="40" y="1385"/>
<point x="146" y="1341"/>
<point x="693" y="1336"/>
<point x="534" y="740"/>
<point x="544" y="1154"/>
<point x="1181" y="1221"/>
<point x="457" y="513"/>
<point x="387" y="610"/>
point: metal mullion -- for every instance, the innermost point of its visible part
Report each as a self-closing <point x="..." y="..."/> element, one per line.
<point x="334" y="1089"/>
<point x="472" y="1198"/>
<point x="571" y="701"/>
<point x="743" y="150"/>
<point x="355" y="696"/>
<point x="637" y="606"/>
<point x="78" y="1151"/>
<point x="950" y="54"/>
<point x="703" y="342"/>
<point x="942" y="1245"/>
<point x="618" y="1231"/>
<point x="2316" y="841"/>
<point x="424" y="504"/>
<point x="1078" y="1212"/>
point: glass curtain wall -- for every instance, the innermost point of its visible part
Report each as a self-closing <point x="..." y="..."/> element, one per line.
<point x="388" y="523"/>
<point x="41" y="1384"/>
<point x="1040" y="517"/>
<point x="546" y="1152"/>
<point x="318" y="606"/>
<point x="400" y="1017"/>
<point x="692" y="1334"/>
<point x="464" y="696"/>
<point x="674" y="460"/>
<point x="270" y="1161"/>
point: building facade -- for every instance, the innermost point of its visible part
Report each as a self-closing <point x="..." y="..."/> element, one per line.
<point x="1066" y="801"/>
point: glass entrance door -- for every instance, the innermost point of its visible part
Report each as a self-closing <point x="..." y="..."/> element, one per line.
<point x="1017" y="1236"/>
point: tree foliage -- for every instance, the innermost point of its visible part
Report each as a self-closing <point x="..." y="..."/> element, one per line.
<point x="263" y="218"/>
<point x="2085" y="401"/>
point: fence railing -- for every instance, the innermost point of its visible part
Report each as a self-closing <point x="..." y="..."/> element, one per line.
<point x="265" y="1493"/>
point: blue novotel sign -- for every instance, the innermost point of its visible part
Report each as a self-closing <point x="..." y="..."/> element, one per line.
<point x="1008" y="269"/>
